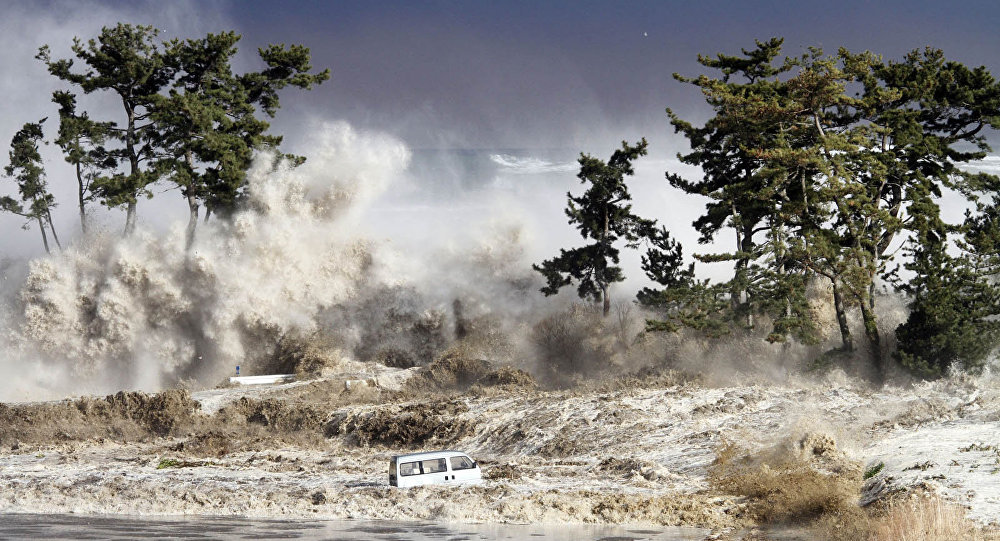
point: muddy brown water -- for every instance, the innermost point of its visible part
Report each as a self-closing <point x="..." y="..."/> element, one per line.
<point x="31" y="526"/>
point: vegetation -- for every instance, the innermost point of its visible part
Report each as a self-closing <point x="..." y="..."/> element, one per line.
<point x="825" y="167"/>
<point x="206" y="123"/>
<point x="602" y="214"/>
<point x="874" y="470"/>
<point x="82" y="141"/>
<point x="925" y="518"/>
<point x="188" y="118"/>
<point x="27" y="171"/>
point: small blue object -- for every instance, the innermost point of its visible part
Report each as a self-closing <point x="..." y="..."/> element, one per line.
<point x="237" y="370"/>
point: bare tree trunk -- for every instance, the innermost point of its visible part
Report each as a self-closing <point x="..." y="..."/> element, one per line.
<point x="130" y="218"/>
<point x="192" y="219"/>
<point x="607" y="299"/>
<point x="81" y="200"/>
<point x="208" y="212"/>
<point x="45" y="239"/>
<point x="780" y="258"/>
<point x="48" y="215"/>
<point x="871" y="331"/>
<point x="845" y="331"/>
<point x="191" y="200"/>
<point x="133" y="159"/>
<point x="746" y="246"/>
<point x="735" y="293"/>
<point x="604" y="286"/>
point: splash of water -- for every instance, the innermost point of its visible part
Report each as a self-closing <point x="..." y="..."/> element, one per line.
<point x="111" y="313"/>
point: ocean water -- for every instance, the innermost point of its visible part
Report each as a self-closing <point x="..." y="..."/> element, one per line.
<point x="445" y="172"/>
<point x="458" y="197"/>
<point x="28" y="526"/>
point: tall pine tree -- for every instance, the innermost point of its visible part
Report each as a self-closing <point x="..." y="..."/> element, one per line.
<point x="740" y="151"/>
<point x="207" y="121"/>
<point x="127" y="61"/>
<point x="82" y="142"/>
<point x="603" y="215"/>
<point x="26" y="170"/>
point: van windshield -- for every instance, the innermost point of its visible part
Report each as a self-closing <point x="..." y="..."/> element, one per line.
<point x="462" y="463"/>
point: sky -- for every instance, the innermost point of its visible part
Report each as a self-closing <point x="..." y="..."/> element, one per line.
<point x="536" y="74"/>
<point x="576" y="75"/>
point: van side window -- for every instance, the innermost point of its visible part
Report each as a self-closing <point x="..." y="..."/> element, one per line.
<point x="409" y="468"/>
<point x="462" y="463"/>
<point x="435" y="465"/>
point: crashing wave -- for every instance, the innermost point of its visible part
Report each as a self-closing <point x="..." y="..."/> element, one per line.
<point x="989" y="164"/>
<point x="137" y="312"/>
<point x="530" y="166"/>
<point x="144" y="312"/>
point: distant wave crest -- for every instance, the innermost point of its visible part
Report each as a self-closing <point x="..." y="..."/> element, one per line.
<point x="989" y="164"/>
<point x="530" y="166"/>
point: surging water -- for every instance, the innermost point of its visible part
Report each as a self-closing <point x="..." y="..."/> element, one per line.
<point x="111" y="313"/>
<point x="321" y="245"/>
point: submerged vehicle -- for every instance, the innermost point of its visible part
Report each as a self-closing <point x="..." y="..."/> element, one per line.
<point x="434" y="468"/>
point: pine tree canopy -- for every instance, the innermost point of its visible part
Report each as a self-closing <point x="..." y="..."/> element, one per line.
<point x="603" y="215"/>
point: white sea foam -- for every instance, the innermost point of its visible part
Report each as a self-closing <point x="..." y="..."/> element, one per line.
<point x="144" y="312"/>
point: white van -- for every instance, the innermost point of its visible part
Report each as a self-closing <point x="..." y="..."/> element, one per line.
<point x="434" y="468"/>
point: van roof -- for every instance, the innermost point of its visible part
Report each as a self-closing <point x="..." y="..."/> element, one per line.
<point x="445" y="453"/>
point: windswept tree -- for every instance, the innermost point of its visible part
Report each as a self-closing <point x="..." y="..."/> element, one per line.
<point x="934" y="121"/>
<point x="127" y="61"/>
<point x="82" y="142"/>
<point x="954" y="318"/>
<point x="823" y="165"/>
<point x="724" y="148"/>
<point x="680" y="299"/>
<point x="885" y="156"/>
<point x="737" y="151"/>
<point x="603" y="215"/>
<point x="26" y="170"/>
<point x="207" y="121"/>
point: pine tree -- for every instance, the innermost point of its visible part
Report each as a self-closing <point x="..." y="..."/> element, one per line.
<point x="917" y="121"/>
<point x="82" y="141"/>
<point x="681" y="300"/>
<point x="954" y="318"/>
<point x="127" y="61"/>
<point x="820" y="183"/>
<point x="602" y="214"/>
<point x="207" y="122"/>
<point x="26" y="170"/>
<point x="742" y="152"/>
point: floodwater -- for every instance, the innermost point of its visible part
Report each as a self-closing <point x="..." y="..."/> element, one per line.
<point x="30" y="526"/>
